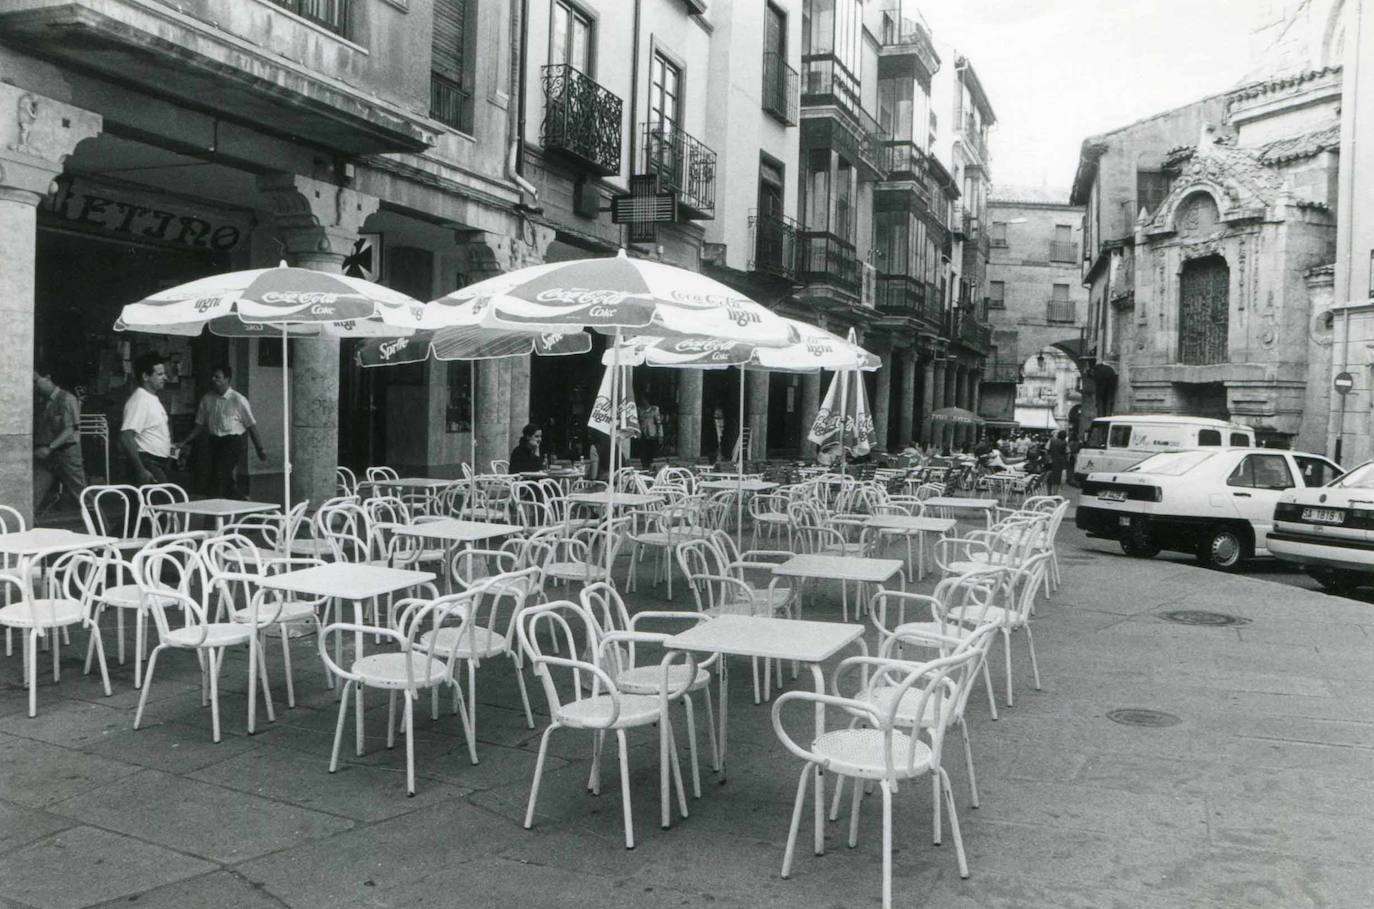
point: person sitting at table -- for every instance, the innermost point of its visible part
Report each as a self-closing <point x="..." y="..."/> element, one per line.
<point x="526" y="457"/>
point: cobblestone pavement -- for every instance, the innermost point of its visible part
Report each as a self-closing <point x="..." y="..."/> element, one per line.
<point x="1259" y="795"/>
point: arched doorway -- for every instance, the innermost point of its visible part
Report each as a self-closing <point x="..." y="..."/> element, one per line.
<point x="1204" y="311"/>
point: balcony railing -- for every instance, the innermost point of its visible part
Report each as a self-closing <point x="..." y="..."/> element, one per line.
<point x="973" y="138"/>
<point x="331" y="14"/>
<point x="1060" y="311"/>
<point x="773" y="243"/>
<point x="450" y="103"/>
<point x="963" y="324"/>
<point x="901" y="295"/>
<point x="825" y="80"/>
<point x="780" y="88"/>
<point x="1063" y="252"/>
<point x="683" y="163"/>
<point x="581" y="118"/>
<point x="824" y="258"/>
<point x="904" y="161"/>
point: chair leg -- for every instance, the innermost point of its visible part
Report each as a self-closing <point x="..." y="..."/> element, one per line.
<point x="625" y="788"/>
<point x="594" y="774"/>
<point x="796" y="820"/>
<point x="987" y="682"/>
<point x="410" y="743"/>
<point x="1035" y="667"/>
<point x="99" y="646"/>
<point x="119" y="640"/>
<point x="468" y="732"/>
<point x="538" y="774"/>
<point x="216" y="660"/>
<point x="524" y="692"/>
<point x="886" y="787"/>
<point x="147" y="683"/>
<point x="855" y="801"/>
<point x="139" y="630"/>
<point x="1006" y="650"/>
<point x="692" y="745"/>
<point x="391" y="719"/>
<point x="968" y="763"/>
<point x="286" y="665"/>
<point x="954" y="824"/>
<point x="339" y="726"/>
<point x="711" y="728"/>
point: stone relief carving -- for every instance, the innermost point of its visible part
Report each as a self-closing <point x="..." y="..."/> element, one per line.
<point x="1244" y="294"/>
<point x="1269" y="324"/>
<point x="26" y="117"/>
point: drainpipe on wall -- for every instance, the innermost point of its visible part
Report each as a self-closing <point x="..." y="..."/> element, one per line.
<point x="515" y="163"/>
<point x="634" y="91"/>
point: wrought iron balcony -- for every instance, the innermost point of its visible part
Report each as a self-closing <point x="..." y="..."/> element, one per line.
<point x="331" y="14"/>
<point x="683" y="163"/>
<point x="1001" y="370"/>
<point x="824" y="258"/>
<point x="781" y="87"/>
<point x="1060" y="311"/>
<point x="826" y="82"/>
<point x="773" y="245"/>
<point x="1063" y="252"/>
<point x="972" y="136"/>
<point x="450" y="103"/>
<point x="901" y="295"/>
<point x="963" y="324"/>
<point x="581" y="118"/>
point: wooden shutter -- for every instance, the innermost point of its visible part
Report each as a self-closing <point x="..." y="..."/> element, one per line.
<point x="450" y="27"/>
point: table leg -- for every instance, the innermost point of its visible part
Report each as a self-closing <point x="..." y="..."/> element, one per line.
<point x="819" y="678"/>
<point x="724" y="710"/>
<point x="358" y="689"/>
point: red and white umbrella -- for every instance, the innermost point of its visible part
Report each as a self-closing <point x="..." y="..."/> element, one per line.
<point x="844" y="418"/>
<point x="284" y="301"/>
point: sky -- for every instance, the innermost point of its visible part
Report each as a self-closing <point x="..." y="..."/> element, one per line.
<point x="1058" y="71"/>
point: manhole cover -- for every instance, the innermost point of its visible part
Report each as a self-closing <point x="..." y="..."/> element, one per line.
<point x="1202" y="617"/>
<point x="1139" y="716"/>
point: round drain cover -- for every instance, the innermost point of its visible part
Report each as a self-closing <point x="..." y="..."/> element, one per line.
<point x="1140" y="716"/>
<point x="1202" y="617"/>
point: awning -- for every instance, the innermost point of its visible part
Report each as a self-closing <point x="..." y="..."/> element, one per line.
<point x="1036" y="418"/>
<point x="956" y="415"/>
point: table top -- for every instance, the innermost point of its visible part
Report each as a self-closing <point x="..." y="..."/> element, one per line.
<point x="760" y="636"/>
<point x="347" y="580"/>
<point x="621" y="498"/>
<point x="554" y="474"/>
<point x="49" y="539"/>
<point x="455" y="531"/>
<point x="219" y="507"/>
<point x="736" y="483"/>
<point x="409" y="483"/>
<point x="911" y="522"/>
<point x="956" y="502"/>
<point x="839" y="568"/>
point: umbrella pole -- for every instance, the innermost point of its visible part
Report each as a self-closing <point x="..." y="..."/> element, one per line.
<point x="285" y="423"/>
<point x="472" y="437"/>
<point x="843" y="376"/>
<point x="739" y="466"/>
<point x="615" y="451"/>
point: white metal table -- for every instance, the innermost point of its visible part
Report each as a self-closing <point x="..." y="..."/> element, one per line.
<point x="454" y="530"/>
<point x="352" y="582"/>
<point x="629" y="499"/>
<point x="843" y="569"/>
<point x="776" y="639"/>
<point x="734" y="483"/>
<point x="909" y="526"/>
<point x="947" y="504"/>
<point x="219" y="509"/>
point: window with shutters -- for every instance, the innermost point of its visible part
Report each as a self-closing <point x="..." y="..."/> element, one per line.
<point x="453" y="63"/>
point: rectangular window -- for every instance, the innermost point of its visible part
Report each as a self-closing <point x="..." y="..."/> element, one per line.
<point x="665" y="92"/>
<point x="998" y="235"/>
<point x="571" y="38"/>
<point x="453" y="63"/>
<point x="332" y="14"/>
<point x="816" y="190"/>
<point x="1063" y="233"/>
<point x="1119" y="437"/>
<point x="1150" y="189"/>
<point x="997" y="294"/>
<point x="845" y="209"/>
<point x="1060" y="293"/>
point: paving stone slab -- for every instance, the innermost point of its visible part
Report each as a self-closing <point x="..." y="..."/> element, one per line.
<point x="37" y="774"/>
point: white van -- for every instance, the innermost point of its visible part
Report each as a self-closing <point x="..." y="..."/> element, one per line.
<point x="1115" y="443"/>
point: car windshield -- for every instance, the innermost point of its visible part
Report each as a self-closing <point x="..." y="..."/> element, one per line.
<point x="1361" y="477"/>
<point x="1171" y="463"/>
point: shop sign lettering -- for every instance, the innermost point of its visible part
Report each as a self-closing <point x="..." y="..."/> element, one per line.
<point x="115" y="210"/>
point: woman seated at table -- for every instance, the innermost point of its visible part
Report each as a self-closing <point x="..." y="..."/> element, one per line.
<point x="526" y="457"/>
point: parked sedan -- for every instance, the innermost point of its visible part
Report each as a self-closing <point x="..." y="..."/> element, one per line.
<point x="1329" y="531"/>
<point x="1217" y="504"/>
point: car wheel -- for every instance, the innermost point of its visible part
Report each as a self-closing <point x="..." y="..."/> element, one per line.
<point x="1136" y="543"/>
<point x="1336" y="580"/>
<point x="1222" y="548"/>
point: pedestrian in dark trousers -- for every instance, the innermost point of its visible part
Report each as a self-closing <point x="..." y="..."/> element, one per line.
<point x="226" y="417"/>
<point x="1059" y="460"/>
<point x="145" y="432"/>
<point x="56" y="443"/>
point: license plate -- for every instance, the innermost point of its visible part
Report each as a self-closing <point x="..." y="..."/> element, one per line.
<point x="1123" y="521"/>
<point x="1112" y="495"/>
<point x="1323" y="516"/>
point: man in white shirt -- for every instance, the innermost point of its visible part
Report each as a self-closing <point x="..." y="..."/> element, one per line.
<point x="146" y="433"/>
<point x="227" y="418"/>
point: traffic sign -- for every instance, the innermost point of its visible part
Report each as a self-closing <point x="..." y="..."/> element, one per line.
<point x="1344" y="382"/>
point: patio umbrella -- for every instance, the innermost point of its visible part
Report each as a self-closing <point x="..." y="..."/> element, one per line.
<point x="844" y="417"/>
<point x="296" y="302"/>
<point x="472" y="344"/>
<point x="612" y="295"/>
<point x="618" y="421"/>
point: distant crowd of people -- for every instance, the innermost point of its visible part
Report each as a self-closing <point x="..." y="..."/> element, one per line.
<point x="1050" y="454"/>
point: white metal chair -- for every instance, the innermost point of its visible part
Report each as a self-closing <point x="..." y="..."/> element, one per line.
<point x="406" y="671"/>
<point x="155" y="495"/>
<point x="583" y="695"/>
<point x="1014" y="615"/>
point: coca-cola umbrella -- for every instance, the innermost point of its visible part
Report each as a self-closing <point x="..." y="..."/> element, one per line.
<point x="285" y="301"/>
<point x="844" y="417"/>
<point x="472" y="344"/>
<point x="814" y="349"/>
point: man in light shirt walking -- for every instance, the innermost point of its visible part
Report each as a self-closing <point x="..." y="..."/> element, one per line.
<point x="145" y="433"/>
<point x="227" y="418"/>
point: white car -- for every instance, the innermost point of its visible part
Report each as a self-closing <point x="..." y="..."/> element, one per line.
<point x="1217" y="503"/>
<point x="1329" y="531"/>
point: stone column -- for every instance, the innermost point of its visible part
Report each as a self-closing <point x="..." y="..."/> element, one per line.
<point x="689" y="413"/>
<point x="756" y="405"/>
<point x="810" y="404"/>
<point x="518" y="372"/>
<point x="491" y="413"/>
<point x="928" y="401"/>
<point x="882" y="400"/>
<point x="36" y="136"/>
<point x="906" y="401"/>
<point x="961" y="432"/>
<point x="318" y="223"/>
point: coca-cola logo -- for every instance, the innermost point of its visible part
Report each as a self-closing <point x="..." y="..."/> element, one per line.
<point x="389" y="349"/>
<point x="601" y="312"/>
<point x="723" y="300"/>
<point x="580" y="296"/>
<point x="300" y="297"/>
<point x="320" y="309"/>
<point x="702" y="345"/>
